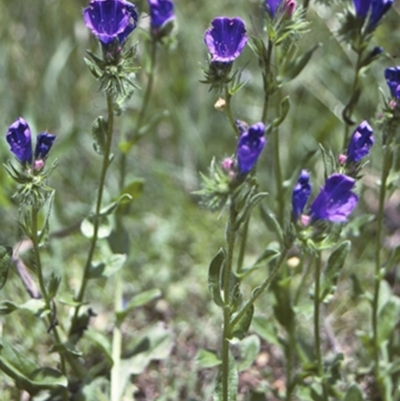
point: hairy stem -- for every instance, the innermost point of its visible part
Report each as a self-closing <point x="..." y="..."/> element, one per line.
<point x="317" y="326"/>
<point x="96" y="223"/>
<point x="230" y="238"/>
<point x="378" y="274"/>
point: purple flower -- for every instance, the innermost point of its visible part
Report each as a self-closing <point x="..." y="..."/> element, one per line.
<point x="19" y="138"/>
<point x="335" y="200"/>
<point x="392" y="76"/>
<point x="378" y="9"/>
<point x="360" y="143"/>
<point x="44" y="142"/>
<point x="362" y="7"/>
<point x="161" y="12"/>
<point x="250" y="145"/>
<point x="110" y="20"/>
<point x="301" y="193"/>
<point x="225" y="39"/>
<point x="271" y="6"/>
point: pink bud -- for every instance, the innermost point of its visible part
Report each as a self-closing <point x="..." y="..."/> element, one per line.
<point x="305" y="220"/>
<point x="290" y="6"/>
<point x="342" y="159"/>
<point x="227" y="164"/>
<point x="38" y="165"/>
<point x="392" y="104"/>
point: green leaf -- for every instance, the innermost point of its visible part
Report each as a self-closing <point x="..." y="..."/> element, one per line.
<point x="335" y="263"/>
<point x="36" y="306"/>
<point x="139" y="300"/>
<point x="53" y="285"/>
<point x="233" y="382"/>
<point x="156" y="344"/>
<point x="388" y="318"/>
<point x="353" y="393"/>
<point x="294" y="68"/>
<point x="5" y="263"/>
<point x="265" y="328"/>
<point x="26" y="374"/>
<point x="134" y="188"/>
<point x="101" y="341"/>
<point x="107" y="268"/>
<point x="214" y="277"/>
<point x="99" y="133"/>
<point x="123" y="199"/>
<point x="97" y="390"/>
<point x="270" y="221"/>
<point x="249" y="348"/>
<point x="87" y="227"/>
<point x="207" y="359"/>
<point x="283" y="112"/>
<point x="242" y="326"/>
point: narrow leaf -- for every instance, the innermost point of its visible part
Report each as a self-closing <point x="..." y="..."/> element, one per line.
<point x="214" y="277"/>
<point x="5" y="263"/>
<point x="353" y="393"/>
<point x="242" y="326"/>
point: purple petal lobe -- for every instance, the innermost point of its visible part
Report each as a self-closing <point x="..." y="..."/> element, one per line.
<point x="44" y="142"/>
<point x="272" y="6"/>
<point x="335" y="201"/>
<point x="19" y="138"/>
<point x="360" y="142"/>
<point x="301" y="193"/>
<point x="249" y="148"/>
<point x="392" y="76"/>
<point x="110" y="20"/>
<point x="161" y="12"/>
<point x="225" y="39"/>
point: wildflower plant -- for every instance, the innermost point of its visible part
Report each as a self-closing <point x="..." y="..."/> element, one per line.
<point x="296" y="238"/>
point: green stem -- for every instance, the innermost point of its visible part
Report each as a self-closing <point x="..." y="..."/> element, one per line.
<point x="117" y="342"/>
<point x="51" y="318"/>
<point x="96" y="223"/>
<point x="317" y="325"/>
<point x="228" y="111"/>
<point x="118" y="294"/>
<point x="278" y="178"/>
<point x="242" y="248"/>
<point x="378" y="274"/>
<point x="266" y="79"/>
<point x="260" y="289"/>
<point x="301" y="286"/>
<point x="349" y="108"/>
<point x="230" y="238"/>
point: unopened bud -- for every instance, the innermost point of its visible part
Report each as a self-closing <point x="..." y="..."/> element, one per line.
<point x="38" y="165"/>
<point x="290" y="6"/>
<point x="342" y="159"/>
<point x="305" y="220"/>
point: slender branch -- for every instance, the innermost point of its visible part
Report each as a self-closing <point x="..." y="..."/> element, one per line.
<point x="96" y="223"/>
<point x="317" y="326"/>
<point x="266" y="77"/>
<point x="260" y="289"/>
<point x="230" y="238"/>
<point x="228" y="111"/>
<point x="36" y="251"/>
<point x="378" y="275"/>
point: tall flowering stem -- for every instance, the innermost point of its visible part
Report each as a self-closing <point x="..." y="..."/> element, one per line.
<point x="317" y="338"/>
<point x="96" y="224"/>
<point x="387" y="160"/>
<point x="39" y="270"/>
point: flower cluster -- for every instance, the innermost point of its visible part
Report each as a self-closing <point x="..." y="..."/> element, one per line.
<point x="20" y="141"/>
<point x="334" y="202"/>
